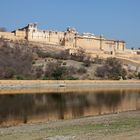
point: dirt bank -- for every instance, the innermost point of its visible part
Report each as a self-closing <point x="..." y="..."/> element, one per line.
<point x="44" y="86"/>
<point x="122" y="126"/>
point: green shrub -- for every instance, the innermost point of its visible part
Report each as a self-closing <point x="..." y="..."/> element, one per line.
<point x="58" y="73"/>
<point x="45" y="78"/>
<point x="19" y="77"/>
<point x="71" y="78"/>
<point x="139" y="75"/>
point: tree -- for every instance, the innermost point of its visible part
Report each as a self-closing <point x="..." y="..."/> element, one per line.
<point x="112" y="69"/>
<point x="50" y="69"/>
<point x="58" y="73"/>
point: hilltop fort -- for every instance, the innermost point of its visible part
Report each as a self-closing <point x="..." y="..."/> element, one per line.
<point x="31" y="53"/>
<point x="70" y="39"/>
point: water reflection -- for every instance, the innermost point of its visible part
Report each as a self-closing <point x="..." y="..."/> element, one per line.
<point x="26" y="108"/>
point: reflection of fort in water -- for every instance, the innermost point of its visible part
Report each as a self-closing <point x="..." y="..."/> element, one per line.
<point x="43" y="107"/>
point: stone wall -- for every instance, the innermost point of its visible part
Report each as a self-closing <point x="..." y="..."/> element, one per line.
<point x="70" y="39"/>
<point x="20" y="34"/>
<point x="89" y="44"/>
<point x="7" y="35"/>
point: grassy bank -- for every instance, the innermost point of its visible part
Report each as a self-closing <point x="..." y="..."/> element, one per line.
<point x="116" y="126"/>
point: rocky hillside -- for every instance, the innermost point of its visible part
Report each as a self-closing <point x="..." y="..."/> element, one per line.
<point x="26" y="60"/>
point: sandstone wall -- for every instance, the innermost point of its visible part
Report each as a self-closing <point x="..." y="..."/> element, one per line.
<point x="70" y="39"/>
<point x="7" y="35"/>
<point x="121" y="46"/>
<point x="48" y="37"/>
<point x="89" y="44"/>
<point x="20" y="34"/>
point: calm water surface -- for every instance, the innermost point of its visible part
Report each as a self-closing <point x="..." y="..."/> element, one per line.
<point x="30" y="108"/>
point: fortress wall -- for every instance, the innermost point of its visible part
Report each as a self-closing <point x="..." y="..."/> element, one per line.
<point x="85" y="43"/>
<point x="46" y="37"/>
<point x="69" y="39"/>
<point x="20" y="34"/>
<point x="56" y="37"/>
<point x="108" y="45"/>
<point x="97" y="44"/>
<point x="89" y="44"/>
<point x="121" y="46"/>
<point x="7" y="35"/>
<point x="38" y="36"/>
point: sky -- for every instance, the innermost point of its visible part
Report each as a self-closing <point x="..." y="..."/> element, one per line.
<point x="115" y="19"/>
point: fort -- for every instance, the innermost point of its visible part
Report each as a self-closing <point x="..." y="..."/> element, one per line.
<point x="70" y="39"/>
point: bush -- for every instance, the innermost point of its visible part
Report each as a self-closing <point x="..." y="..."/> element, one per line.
<point x="82" y="70"/>
<point x="139" y="75"/>
<point x="50" y="69"/>
<point x="58" y="73"/>
<point x="87" y="63"/>
<point x="18" y="77"/>
<point x="38" y="72"/>
<point x="45" y="78"/>
<point x="112" y="69"/>
<point x="71" y="78"/>
<point x="71" y="70"/>
<point x="55" y="71"/>
<point x="9" y="73"/>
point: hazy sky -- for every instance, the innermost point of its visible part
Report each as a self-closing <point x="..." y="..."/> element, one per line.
<point x="116" y="19"/>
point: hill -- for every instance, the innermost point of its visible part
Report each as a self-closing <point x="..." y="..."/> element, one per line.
<point x="29" y="60"/>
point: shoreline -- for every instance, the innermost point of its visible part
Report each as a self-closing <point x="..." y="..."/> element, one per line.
<point x="64" y="86"/>
<point x="121" y="126"/>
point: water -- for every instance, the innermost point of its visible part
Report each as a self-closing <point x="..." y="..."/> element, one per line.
<point x="31" y="108"/>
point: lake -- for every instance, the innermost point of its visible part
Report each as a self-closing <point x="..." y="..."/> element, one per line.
<point x="41" y="107"/>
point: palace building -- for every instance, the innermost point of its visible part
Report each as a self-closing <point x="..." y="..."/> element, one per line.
<point x="70" y="39"/>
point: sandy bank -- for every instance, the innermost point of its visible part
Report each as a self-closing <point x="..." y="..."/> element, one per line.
<point x="47" y="86"/>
